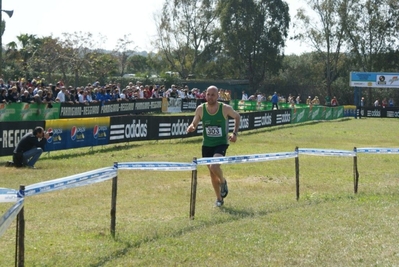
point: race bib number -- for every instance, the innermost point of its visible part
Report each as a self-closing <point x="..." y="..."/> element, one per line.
<point x="214" y="131"/>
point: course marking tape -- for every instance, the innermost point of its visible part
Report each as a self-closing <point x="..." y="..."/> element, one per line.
<point x="157" y="166"/>
<point x="326" y="152"/>
<point x="81" y="179"/>
<point x="8" y="195"/>
<point x="246" y="158"/>
<point x="375" y="150"/>
<point x="10" y="215"/>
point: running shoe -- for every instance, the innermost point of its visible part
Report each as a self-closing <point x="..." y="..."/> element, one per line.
<point x="219" y="203"/>
<point x="224" y="190"/>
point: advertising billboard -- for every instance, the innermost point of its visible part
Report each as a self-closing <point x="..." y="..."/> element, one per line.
<point x="74" y="133"/>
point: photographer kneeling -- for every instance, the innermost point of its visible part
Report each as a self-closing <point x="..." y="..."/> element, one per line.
<point x="30" y="147"/>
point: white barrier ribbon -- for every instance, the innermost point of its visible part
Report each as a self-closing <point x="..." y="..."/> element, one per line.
<point x="8" y="195"/>
<point x="157" y="166"/>
<point x="375" y="150"/>
<point x="326" y="152"/>
<point x="10" y="215"/>
<point x="77" y="180"/>
<point x="246" y="158"/>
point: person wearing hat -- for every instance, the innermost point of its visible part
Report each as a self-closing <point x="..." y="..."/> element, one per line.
<point x="316" y="100"/>
<point x="309" y="100"/>
<point x="13" y="95"/>
<point x="26" y="97"/>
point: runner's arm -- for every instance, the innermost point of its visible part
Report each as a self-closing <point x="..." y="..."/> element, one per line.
<point x="196" y="119"/>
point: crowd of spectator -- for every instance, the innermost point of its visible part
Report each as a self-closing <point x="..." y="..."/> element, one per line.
<point x="37" y="91"/>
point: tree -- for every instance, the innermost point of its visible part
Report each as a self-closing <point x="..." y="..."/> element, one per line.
<point x="123" y="52"/>
<point x="138" y="63"/>
<point x="325" y="32"/>
<point x="102" y="65"/>
<point x="47" y="58"/>
<point x="22" y="56"/>
<point x="253" y="34"/>
<point x="371" y="28"/>
<point x="185" y="30"/>
<point x="76" y="50"/>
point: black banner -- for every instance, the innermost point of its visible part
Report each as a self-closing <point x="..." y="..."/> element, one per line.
<point x="379" y="112"/>
<point x="11" y="133"/>
<point x="136" y="128"/>
<point x="112" y="108"/>
<point x="281" y="117"/>
<point x="79" y="110"/>
<point x="192" y="104"/>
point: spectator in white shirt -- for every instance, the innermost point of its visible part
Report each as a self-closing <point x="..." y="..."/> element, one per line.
<point x="244" y="96"/>
<point x="61" y="94"/>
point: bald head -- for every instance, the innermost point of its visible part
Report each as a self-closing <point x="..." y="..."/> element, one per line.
<point x="212" y="87"/>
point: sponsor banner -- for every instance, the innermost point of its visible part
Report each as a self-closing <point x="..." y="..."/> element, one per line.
<point x="299" y="115"/>
<point x="164" y="105"/>
<point x="243" y="105"/>
<point x="132" y="128"/>
<point x="73" y="133"/>
<point x="68" y="110"/>
<point x="374" y="79"/>
<point x="111" y="108"/>
<point x="246" y="122"/>
<point x="174" y="127"/>
<point x="174" y="105"/>
<point x="136" y="128"/>
<point x="281" y="117"/>
<point x="338" y="112"/>
<point x="379" y="112"/>
<point x="190" y="104"/>
<point x="315" y="113"/>
<point x="147" y="105"/>
<point x="28" y="112"/>
<point x="12" y="132"/>
<point x="350" y="111"/>
<point x="263" y="119"/>
<point x="373" y="112"/>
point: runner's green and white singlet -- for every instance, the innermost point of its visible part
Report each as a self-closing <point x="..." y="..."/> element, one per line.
<point x="215" y="127"/>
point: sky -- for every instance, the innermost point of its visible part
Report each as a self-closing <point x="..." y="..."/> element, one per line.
<point x="111" y="19"/>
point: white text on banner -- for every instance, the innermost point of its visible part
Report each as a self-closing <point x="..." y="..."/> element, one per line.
<point x="8" y="195"/>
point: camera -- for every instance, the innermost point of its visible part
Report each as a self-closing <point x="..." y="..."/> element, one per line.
<point x="50" y="134"/>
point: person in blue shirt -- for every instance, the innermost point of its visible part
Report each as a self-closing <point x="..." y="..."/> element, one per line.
<point x="275" y="101"/>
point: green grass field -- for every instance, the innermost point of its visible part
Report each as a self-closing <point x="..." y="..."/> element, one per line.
<point x="261" y="223"/>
